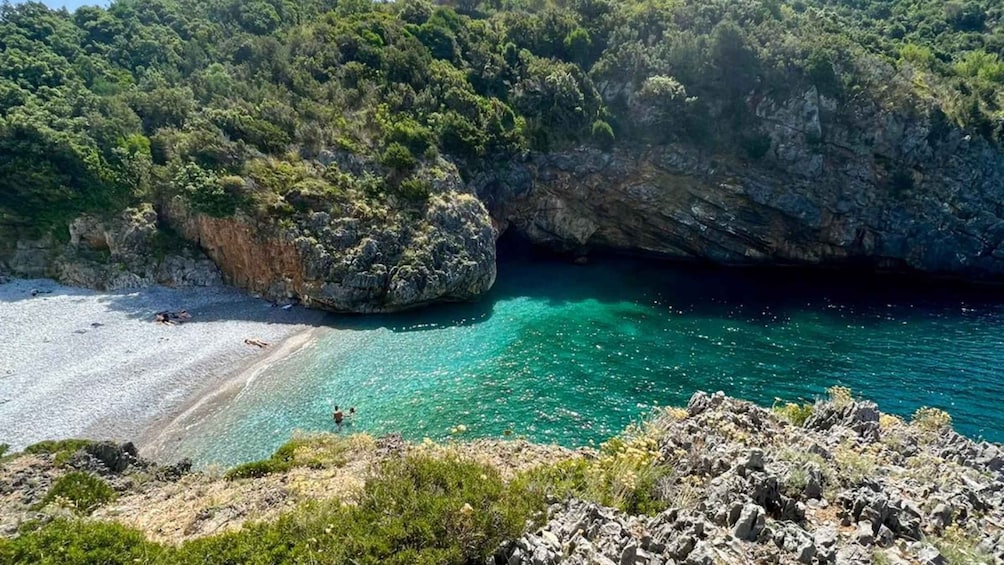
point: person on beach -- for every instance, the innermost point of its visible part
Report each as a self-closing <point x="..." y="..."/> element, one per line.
<point x="338" y="417"/>
<point x="352" y="414"/>
<point x="256" y="342"/>
<point x="163" y="318"/>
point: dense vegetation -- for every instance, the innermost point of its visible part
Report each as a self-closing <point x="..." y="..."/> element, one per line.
<point x="276" y="106"/>
<point x="417" y="510"/>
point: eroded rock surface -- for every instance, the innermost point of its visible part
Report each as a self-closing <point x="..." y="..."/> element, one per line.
<point x="347" y="264"/>
<point x="851" y="486"/>
<point x="838" y="183"/>
<point x="124" y="251"/>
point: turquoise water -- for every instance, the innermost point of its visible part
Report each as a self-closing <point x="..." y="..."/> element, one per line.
<point x="572" y="354"/>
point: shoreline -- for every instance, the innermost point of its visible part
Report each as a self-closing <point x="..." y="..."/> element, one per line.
<point x="80" y="363"/>
<point x="159" y="441"/>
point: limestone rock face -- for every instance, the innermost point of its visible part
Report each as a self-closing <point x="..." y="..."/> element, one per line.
<point x="855" y="183"/>
<point x="347" y="264"/>
<point x="114" y="253"/>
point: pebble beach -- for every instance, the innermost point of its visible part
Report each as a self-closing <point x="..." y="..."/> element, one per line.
<point x="81" y="363"/>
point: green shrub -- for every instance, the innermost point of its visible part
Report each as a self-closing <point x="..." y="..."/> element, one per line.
<point x="78" y="542"/>
<point x="840" y="395"/>
<point x="205" y="192"/>
<point x="416" y="510"/>
<point x="60" y="450"/>
<point x="626" y="475"/>
<point x="414" y="189"/>
<point x="398" y="157"/>
<point x="281" y="461"/>
<point x="603" y="135"/>
<point x="932" y="419"/>
<point x="793" y="412"/>
<point x="412" y="135"/>
<point x="4" y="448"/>
<point x="81" y="491"/>
<point x="961" y="547"/>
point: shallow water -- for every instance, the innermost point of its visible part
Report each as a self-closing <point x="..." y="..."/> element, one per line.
<point x="572" y="354"/>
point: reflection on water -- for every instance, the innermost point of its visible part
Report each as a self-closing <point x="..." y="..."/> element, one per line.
<point x="571" y="354"/>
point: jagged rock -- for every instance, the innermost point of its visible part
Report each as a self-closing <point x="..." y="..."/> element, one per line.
<point x="742" y="456"/>
<point x="113" y="253"/>
<point x="929" y="555"/>
<point x="750" y="522"/>
<point x="824" y="193"/>
<point x="941" y="516"/>
<point x="115" y="457"/>
<point x="343" y="264"/>
<point x="865" y="534"/>
<point x="862" y="417"/>
<point x="753" y="460"/>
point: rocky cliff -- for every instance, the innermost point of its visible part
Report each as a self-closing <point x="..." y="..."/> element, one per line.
<point x="825" y="183"/>
<point x="832" y="183"/>
<point x="122" y="251"/>
<point x="351" y="262"/>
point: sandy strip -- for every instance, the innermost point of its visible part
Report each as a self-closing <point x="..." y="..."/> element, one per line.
<point x="161" y="439"/>
<point x="80" y="363"/>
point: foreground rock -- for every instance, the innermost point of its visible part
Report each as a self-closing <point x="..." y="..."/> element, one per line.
<point x="852" y="486"/>
<point x="738" y="484"/>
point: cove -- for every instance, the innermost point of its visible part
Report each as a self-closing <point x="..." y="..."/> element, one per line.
<point x="572" y="354"/>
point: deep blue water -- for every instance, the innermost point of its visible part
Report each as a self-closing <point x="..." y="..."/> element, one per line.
<point x="571" y="354"/>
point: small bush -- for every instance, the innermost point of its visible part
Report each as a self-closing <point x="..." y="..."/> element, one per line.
<point x="316" y="452"/>
<point x="419" y="510"/>
<point x="415" y="189"/>
<point x="4" y="448"/>
<point x="960" y="547"/>
<point x="398" y="157"/>
<point x="81" y="491"/>
<point x="793" y="412"/>
<point x="856" y="465"/>
<point x="932" y="419"/>
<point x="840" y="395"/>
<point x="603" y="135"/>
<point x="60" y="450"/>
<point x="281" y="461"/>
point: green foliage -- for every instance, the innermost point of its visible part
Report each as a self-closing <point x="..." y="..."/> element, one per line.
<point x="603" y="135"/>
<point x="415" y="189"/>
<point x="60" y="450"/>
<point x="398" y="157"/>
<point x="793" y="412"/>
<point x="626" y="475"/>
<point x="78" y="542"/>
<point x="205" y="192"/>
<point x="281" y="461"/>
<point x="933" y="420"/>
<point x="4" y="448"/>
<point x="415" y="510"/>
<point x="840" y="395"/>
<point x="959" y="546"/>
<point x="106" y="106"/>
<point x="81" y="491"/>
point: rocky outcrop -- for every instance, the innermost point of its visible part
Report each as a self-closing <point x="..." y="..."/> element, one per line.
<point x="848" y="183"/>
<point x="125" y="251"/>
<point x="849" y="486"/>
<point x="345" y="263"/>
